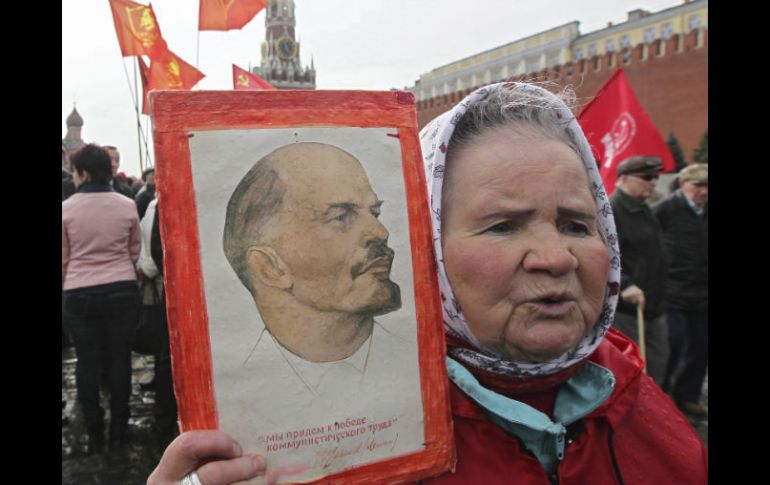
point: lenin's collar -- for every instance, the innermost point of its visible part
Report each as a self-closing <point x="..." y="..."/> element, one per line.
<point x="312" y="373"/>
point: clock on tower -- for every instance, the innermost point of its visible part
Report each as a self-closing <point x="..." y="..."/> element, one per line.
<point x="281" y="63"/>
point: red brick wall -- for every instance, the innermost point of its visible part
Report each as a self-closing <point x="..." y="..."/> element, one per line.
<point x="673" y="88"/>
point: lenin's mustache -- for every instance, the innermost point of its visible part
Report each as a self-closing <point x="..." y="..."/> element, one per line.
<point x="378" y="253"/>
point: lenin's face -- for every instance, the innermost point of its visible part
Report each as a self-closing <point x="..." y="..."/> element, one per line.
<point x="329" y="235"/>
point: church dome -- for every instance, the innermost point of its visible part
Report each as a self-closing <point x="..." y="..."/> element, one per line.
<point x="74" y="119"/>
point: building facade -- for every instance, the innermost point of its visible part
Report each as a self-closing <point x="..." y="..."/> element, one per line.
<point x="281" y="64"/>
<point x="530" y="54"/>
<point x="664" y="55"/>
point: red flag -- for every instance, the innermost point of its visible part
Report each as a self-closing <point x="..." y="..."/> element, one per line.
<point x="137" y="29"/>
<point x="227" y="14"/>
<point x="246" y="80"/>
<point x="171" y="72"/>
<point x="617" y="127"/>
<point x="144" y="73"/>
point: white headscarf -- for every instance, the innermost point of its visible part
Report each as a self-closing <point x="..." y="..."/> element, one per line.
<point x="434" y="139"/>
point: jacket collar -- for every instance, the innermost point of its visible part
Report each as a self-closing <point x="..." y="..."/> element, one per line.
<point x="630" y="203"/>
<point x="91" y="187"/>
<point x="621" y="355"/>
<point x="541" y="434"/>
<point x="687" y="202"/>
<point x="616" y="353"/>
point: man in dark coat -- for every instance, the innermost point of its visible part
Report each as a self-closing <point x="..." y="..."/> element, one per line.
<point x="683" y="215"/>
<point x="119" y="183"/>
<point x="165" y="403"/>
<point x="147" y="193"/>
<point x="643" y="260"/>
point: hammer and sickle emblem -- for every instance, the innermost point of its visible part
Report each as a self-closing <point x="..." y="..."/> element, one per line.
<point x="618" y="138"/>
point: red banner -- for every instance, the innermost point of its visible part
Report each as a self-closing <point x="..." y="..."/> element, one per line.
<point x="144" y="72"/>
<point x="617" y="127"/>
<point x="227" y="14"/>
<point x="245" y="80"/>
<point x="137" y="29"/>
<point x="171" y="72"/>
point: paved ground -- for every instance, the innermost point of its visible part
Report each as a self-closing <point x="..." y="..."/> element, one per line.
<point x="128" y="465"/>
<point x="131" y="464"/>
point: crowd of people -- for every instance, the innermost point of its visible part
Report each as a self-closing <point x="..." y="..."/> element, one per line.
<point x="664" y="277"/>
<point x="112" y="284"/>
<point x="545" y="280"/>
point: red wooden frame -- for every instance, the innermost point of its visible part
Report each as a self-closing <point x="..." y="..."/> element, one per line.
<point x="175" y="114"/>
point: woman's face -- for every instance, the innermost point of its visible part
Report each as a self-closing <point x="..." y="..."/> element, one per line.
<point x="521" y="245"/>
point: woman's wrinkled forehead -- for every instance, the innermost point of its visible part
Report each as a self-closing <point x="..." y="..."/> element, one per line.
<point x="519" y="131"/>
<point x="528" y="129"/>
<point x="514" y="136"/>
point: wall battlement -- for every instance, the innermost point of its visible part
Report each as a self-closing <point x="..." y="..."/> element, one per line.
<point x="670" y="78"/>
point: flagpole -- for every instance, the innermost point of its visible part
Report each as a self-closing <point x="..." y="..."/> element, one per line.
<point x="198" y="50"/>
<point x="138" y="120"/>
<point x="143" y="137"/>
<point x="147" y="147"/>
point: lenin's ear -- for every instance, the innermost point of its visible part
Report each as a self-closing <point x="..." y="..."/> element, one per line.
<point x="268" y="268"/>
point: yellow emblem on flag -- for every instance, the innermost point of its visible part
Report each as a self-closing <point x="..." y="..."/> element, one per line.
<point x="226" y="5"/>
<point x="142" y="25"/>
<point x="173" y="70"/>
<point x="243" y="80"/>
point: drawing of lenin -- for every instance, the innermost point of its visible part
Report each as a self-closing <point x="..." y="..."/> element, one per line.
<point x="302" y="234"/>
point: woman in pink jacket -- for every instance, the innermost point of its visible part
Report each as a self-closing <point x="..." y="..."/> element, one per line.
<point x="542" y="390"/>
<point x="101" y="240"/>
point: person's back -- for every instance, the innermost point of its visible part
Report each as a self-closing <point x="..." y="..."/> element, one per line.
<point x="143" y="199"/>
<point x="100" y="298"/>
<point x="102" y="235"/>
<point x="136" y="187"/>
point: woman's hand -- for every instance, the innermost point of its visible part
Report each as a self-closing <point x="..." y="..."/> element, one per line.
<point x="217" y="458"/>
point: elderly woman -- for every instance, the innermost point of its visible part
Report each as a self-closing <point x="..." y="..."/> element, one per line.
<point x="101" y="240"/>
<point x="542" y="390"/>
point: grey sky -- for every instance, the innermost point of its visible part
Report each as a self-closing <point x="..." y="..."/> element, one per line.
<point x="356" y="44"/>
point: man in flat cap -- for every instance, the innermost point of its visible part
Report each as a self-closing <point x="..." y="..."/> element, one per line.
<point x="683" y="216"/>
<point x="643" y="260"/>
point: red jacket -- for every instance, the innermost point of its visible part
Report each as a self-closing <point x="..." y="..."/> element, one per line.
<point x="636" y="437"/>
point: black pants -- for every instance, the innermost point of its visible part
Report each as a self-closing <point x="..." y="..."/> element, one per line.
<point x="688" y="333"/>
<point x="102" y="328"/>
<point x="165" y="402"/>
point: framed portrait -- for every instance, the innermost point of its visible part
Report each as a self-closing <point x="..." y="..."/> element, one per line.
<point x="303" y="307"/>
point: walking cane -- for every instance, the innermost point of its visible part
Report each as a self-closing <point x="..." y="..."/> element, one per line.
<point x="640" y="321"/>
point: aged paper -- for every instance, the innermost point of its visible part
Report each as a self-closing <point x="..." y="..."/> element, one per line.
<point x="277" y="392"/>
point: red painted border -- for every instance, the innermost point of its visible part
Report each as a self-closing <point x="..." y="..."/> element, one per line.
<point x="175" y="113"/>
<point x="183" y="283"/>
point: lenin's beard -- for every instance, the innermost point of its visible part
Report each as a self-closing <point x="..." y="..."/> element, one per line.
<point x="387" y="298"/>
